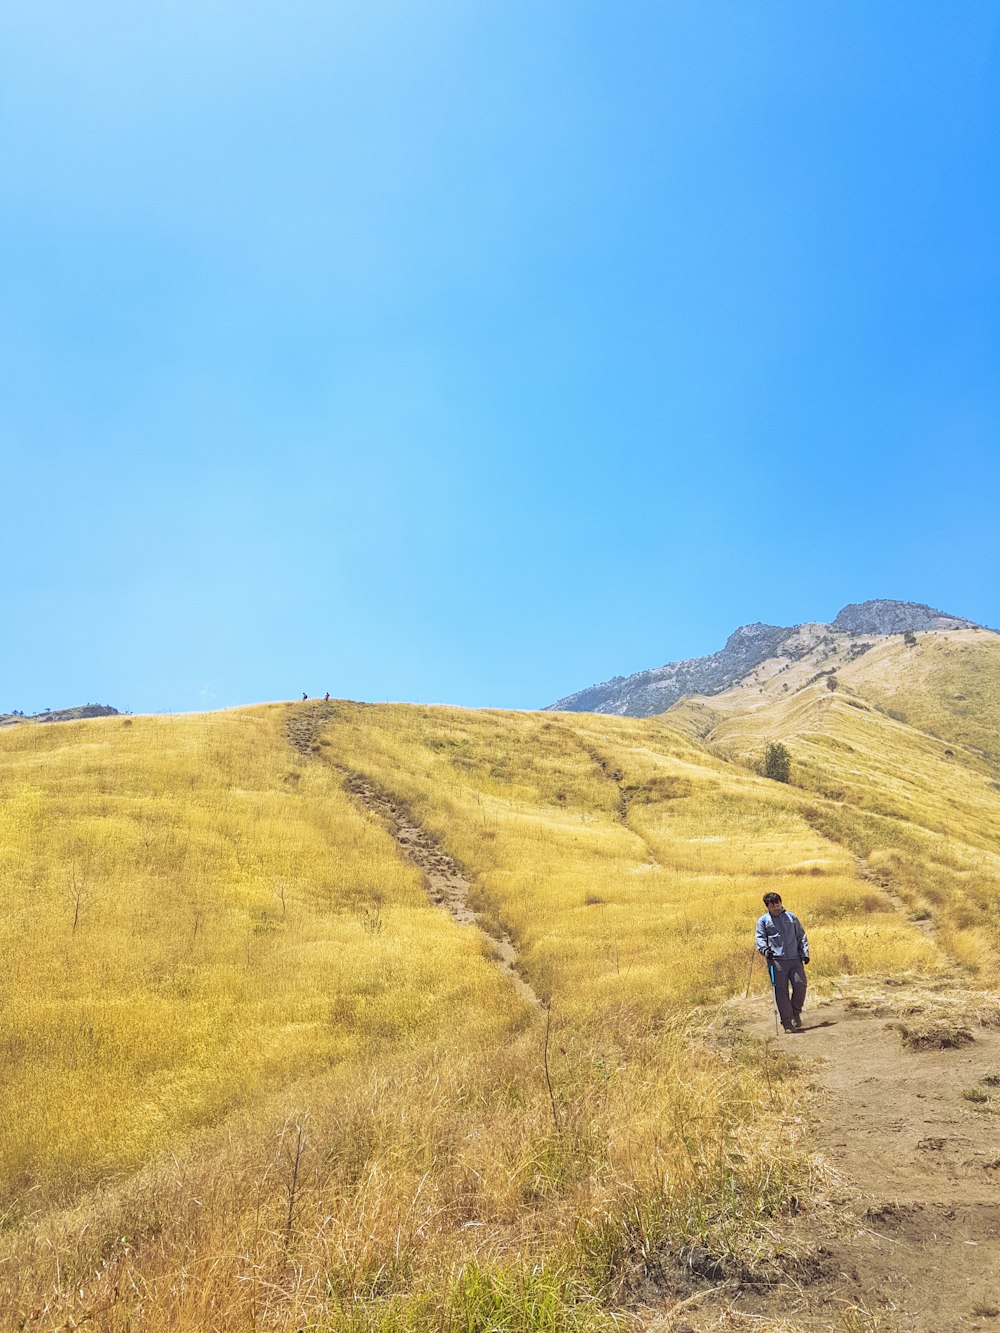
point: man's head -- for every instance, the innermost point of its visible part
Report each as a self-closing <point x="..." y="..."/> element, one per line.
<point x="772" y="901"/>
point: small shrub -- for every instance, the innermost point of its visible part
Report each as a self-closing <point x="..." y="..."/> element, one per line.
<point x="777" y="763"/>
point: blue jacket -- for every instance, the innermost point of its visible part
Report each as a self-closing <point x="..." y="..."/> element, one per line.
<point x="783" y="935"/>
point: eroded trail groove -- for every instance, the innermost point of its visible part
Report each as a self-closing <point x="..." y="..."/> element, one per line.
<point x="924" y="924"/>
<point x="617" y="778"/>
<point x="447" y="886"/>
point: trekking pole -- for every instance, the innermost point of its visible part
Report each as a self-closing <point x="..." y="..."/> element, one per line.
<point x="753" y="959"/>
<point x="774" y="994"/>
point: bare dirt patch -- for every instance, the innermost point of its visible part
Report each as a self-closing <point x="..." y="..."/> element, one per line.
<point x="906" y="1218"/>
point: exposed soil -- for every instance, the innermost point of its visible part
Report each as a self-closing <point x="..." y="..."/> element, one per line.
<point x="303" y="725"/>
<point x="906" y="1232"/>
<point x="614" y="776"/>
<point x="447" y="886"/>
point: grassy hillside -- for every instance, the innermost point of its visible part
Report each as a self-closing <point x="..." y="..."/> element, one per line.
<point x="627" y="862"/>
<point x="947" y="685"/>
<point x="187" y="924"/>
<point x="901" y="762"/>
<point x="256" y="1079"/>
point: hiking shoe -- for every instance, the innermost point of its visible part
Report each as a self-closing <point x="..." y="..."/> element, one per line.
<point x="796" y="1021"/>
<point x="792" y="1029"/>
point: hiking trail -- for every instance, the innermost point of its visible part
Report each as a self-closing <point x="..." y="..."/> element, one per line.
<point x="447" y="886"/>
<point x="617" y="778"/>
<point x="882" y="882"/>
<point x="903" y="1235"/>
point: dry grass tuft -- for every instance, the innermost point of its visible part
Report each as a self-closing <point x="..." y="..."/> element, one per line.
<point x="926" y="1016"/>
<point x="933" y="1035"/>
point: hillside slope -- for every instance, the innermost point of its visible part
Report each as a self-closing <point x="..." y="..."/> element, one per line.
<point x="76" y="714"/>
<point x="257" y="1076"/>
<point x="905" y="749"/>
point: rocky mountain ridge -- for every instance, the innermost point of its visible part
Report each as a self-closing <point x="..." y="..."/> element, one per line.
<point x="650" y="692"/>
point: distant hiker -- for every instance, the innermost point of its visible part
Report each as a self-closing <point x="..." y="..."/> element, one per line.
<point x="326" y="697"/>
<point x="783" y="943"/>
<point x="304" y="696"/>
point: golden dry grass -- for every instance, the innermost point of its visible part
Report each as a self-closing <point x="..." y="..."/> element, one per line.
<point x="187" y="925"/>
<point x="257" y="1081"/>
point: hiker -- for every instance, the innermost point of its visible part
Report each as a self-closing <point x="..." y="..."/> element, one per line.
<point x="304" y="696"/>
<point x="326" y="697"/>
<point x="783" y="943"/>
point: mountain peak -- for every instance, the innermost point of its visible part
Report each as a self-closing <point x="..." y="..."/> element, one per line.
<point x="756" y="633"/>
<point x="649" y="692"/>
<point x="886" y="617"/>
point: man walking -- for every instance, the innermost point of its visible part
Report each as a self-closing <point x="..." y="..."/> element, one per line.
<point x="783" y="943"/>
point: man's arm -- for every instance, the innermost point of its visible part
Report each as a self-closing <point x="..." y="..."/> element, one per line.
<point x="762" y="944"/>
<point x="800" y="935"/>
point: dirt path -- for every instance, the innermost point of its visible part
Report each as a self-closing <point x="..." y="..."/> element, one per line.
<point x="617" y="778"/>
<point x="884" y="886"/>
<point x="908" y="1227"/>
<point x="446" y="884"/>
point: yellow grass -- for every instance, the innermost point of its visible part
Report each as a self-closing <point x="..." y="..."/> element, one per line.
<point x="188" y="923"/>
<point x="256" y="1080"/>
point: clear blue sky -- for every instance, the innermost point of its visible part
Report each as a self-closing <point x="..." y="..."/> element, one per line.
<point x="476" y="352"/>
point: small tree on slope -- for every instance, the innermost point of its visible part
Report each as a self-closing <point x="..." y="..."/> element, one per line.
<point x="777" y="763"/>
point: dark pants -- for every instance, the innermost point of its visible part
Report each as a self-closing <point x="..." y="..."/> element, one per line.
<point x="789" y="975"/>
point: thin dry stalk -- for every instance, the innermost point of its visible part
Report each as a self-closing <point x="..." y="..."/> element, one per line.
<point x="548" y="1077"/>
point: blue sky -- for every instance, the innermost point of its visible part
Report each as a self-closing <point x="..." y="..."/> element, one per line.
<point x="474" y="353"/>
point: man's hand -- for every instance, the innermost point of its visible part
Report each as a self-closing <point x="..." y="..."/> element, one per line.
<point x="769" y="955"/>
<point x="805" y="961"/>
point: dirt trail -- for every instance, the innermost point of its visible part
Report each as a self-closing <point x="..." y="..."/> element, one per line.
<point x="865" y="872"/>
<point x="909" y="1231"/>
<point x="447" y="886"/>
<point x="617" y="778"/>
